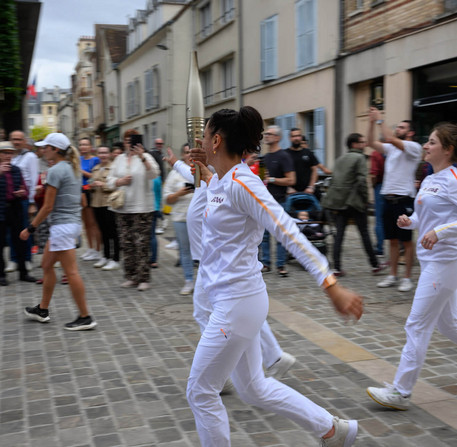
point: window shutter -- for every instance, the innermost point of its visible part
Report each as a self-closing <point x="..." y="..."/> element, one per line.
<point x="300" y="31"/>
<point x="285" y="122"/>
<point x="319" y="134"/>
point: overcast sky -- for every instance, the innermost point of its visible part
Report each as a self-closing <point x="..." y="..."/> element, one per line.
<point x="60" y="25"/>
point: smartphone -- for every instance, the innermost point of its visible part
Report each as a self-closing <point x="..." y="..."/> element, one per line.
<point x="136" y="139"/>
<point x="189" y="185"/>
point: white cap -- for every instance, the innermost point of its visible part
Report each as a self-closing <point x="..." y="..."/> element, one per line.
<point x="6" y="146"/>
<point x="58" y="140"/>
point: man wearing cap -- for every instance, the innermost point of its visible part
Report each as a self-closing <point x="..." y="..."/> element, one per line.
<point x="13" y="191"/>
<point x="28" y="163"/>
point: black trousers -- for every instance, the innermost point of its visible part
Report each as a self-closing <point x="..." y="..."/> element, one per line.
<point x="107" y="224"/>
<point x="341" y="221"/>
<point x="13" y="222"/>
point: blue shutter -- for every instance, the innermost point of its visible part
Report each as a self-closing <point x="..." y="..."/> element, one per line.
<point x="268" y="48"/>
<point x="309" y="38"/>
<point x="319" y="134"/>
<point x="300" y="31"/>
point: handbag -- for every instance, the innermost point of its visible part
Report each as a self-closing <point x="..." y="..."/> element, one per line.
<point x="116" y="199"/>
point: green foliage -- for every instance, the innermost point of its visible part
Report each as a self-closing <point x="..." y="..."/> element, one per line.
<point x="38" y="133"/>
<point x="10" y="65"/>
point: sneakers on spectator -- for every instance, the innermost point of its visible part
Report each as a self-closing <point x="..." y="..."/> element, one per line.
<point x="37" y="314"/>
<point x="389" y="397"/>
<point x="28" y="265"/>
<point x="379" y="268"/>
<point x="280" y="367"/>
<point x="173" y="245"/>
<point x="142" y="286"/>
<point x="405" y="285"/>
<point x="266" y="269"/>
<point x="93" y="256"/>
<point x="345" y="434"/>
<point x="160" y="230"/>
<point x="100" y="263"/>
<point x="81" y="324"/>
<point x="111" y="265"/>
<point x="388" y="281"/>
<point x="188" y="288"/>
<point x="11" y="267"/>
<point x="129" y="283"/>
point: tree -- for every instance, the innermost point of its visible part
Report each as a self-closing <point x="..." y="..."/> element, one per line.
<point x="38" y="133"/>
<point x="10" y="66"/>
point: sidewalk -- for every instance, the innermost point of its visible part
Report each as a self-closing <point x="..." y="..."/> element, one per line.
<point x="124" y="383"/>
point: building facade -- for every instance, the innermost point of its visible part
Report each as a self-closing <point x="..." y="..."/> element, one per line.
<point x="401" y="57"/>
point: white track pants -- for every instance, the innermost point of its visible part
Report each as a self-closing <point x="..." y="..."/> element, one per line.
<point x="230" y="347"/>
<point x="434" y="305"/>
<point x="271" y="351"/>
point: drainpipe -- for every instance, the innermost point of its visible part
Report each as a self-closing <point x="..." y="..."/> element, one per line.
<point x="339" y="86"/>
<point x="240" y="54"/>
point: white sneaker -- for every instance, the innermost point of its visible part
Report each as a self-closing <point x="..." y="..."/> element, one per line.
<point x="188" y="288"/>
<point x="389" y="397"/>
<point x="94" y="256"/>
<point x="87" y="253"/>
<point x="405" y="285"/>
<point x="111" y="265"/>
<point x="142" y="286"/>
<point x="173" y="245"/>
<point x="100" y="263"/>
<point x="11" y="267"/>
<point x="160" y="230"/>
<point x="28" y="266"/>
<point x="345" y="434"/>
<point x="388" y="281"/>
<point x="279" y="368"/>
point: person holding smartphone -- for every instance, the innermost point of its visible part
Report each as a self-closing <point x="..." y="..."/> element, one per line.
<point x="133" y="171"/>
<point x="178" y="193"/>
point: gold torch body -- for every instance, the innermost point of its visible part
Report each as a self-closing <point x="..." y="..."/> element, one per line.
<point x="195" y="110"/>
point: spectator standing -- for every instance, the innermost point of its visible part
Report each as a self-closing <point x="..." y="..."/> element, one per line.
<point x="27" y="162"/>
<point x="435" y="299"/>
<point x="281" y="175"/>
<point x="179" y="194"/>
<point x="13" y="191"/>
<point x="88" y="162"/>
<point x="402" y="157"/>
<point x="133" y="171"/>
<point x="156" y="214"/>
<point x="347" y="197"/>
<point x="105" y="218"/>
<point x="62" y="203"/>
<point x="377" y="175"/>
<point x="304" y="164"/>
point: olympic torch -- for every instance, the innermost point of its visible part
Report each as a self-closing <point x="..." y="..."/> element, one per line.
<point x="195" y="110"/>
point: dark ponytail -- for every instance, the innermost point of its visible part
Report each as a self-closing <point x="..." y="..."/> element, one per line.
<point x="241" y="130"/>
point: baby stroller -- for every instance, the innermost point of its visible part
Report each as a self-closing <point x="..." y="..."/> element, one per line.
<point x="312" y="227"/>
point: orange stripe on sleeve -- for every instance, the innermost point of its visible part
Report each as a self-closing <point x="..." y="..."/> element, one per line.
<point x="310" y="255"/>
<point x="453" y="172"/>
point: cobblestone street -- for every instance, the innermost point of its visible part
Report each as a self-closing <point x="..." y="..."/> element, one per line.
<point x="123" y="384"/>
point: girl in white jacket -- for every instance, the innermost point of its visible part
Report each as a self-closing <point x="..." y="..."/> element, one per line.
<point x="239" y="208"/>
<point x="435" y="300"/>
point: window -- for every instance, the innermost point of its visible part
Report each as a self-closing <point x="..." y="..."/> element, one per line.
<point x="89" y="81"/>
<point x="268" y="48"/>
<point x="319" y="134"/>
<point x="153" y="132"/>
<point x="146" y="140"/>
<point x="305" y="27"/>
<point x="148" y="89"/>
<point x="377" y="93"/>
<point x="228" y="10"/>
<point x="228" y="88"/>
<point x="152" y="88"/>
<point x="130" y="100"/>
<point x="285" y="122"/>
<point x="205" y="20"/>
<point x="207" y="87"/>
<point x="90" y="111"/>
<point x="136" y="109"/>
<point x="49" y="110"/>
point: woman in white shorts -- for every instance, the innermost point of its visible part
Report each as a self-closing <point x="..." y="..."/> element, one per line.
<point x="238" y="210"/>
<point x="62" y="203"/>
<point x="435" y="300"/>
